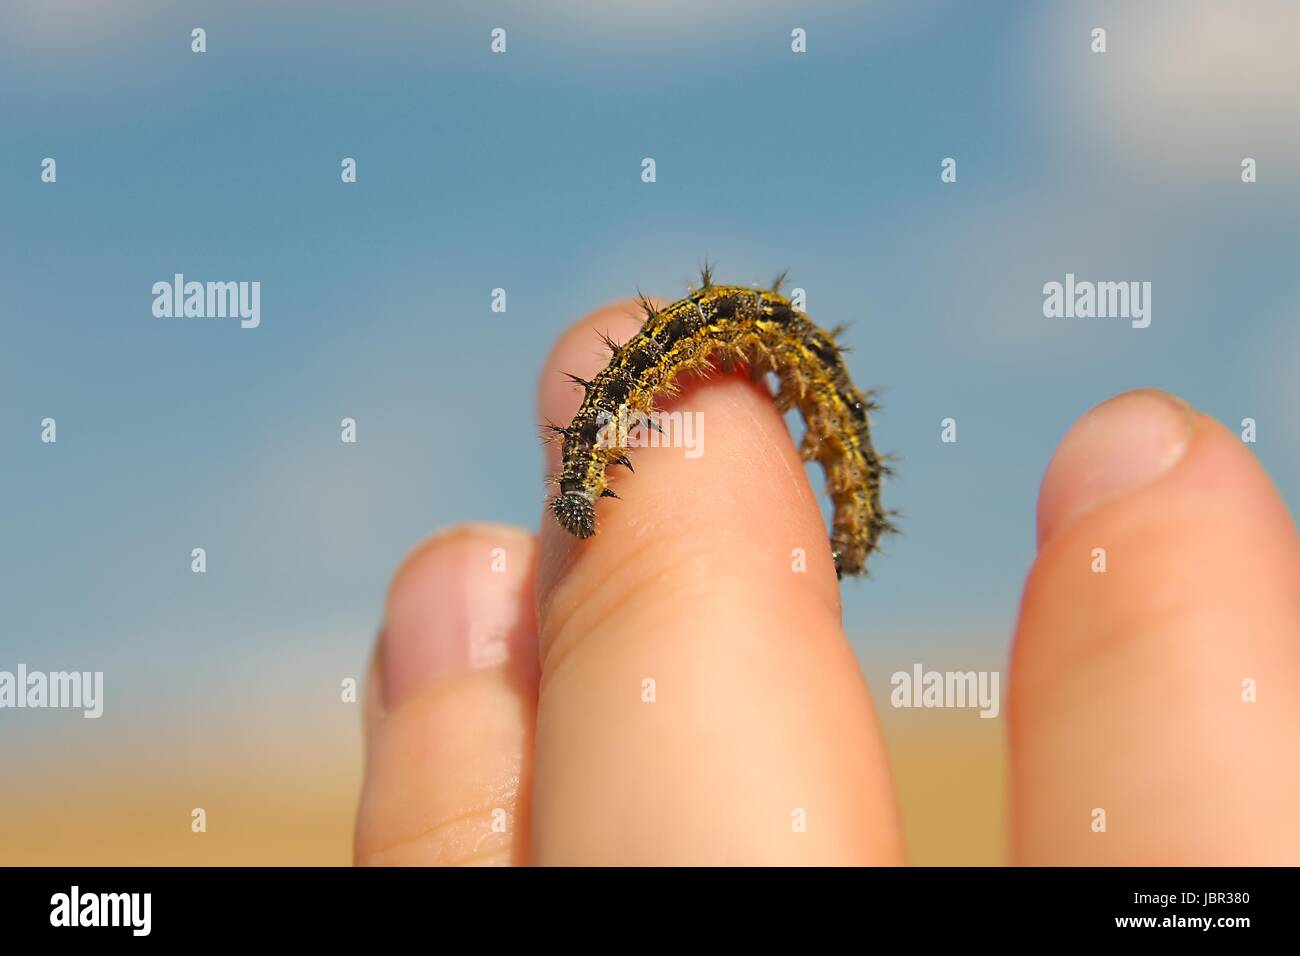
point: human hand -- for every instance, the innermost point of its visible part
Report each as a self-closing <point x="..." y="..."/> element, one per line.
<point x="505" y="719"/>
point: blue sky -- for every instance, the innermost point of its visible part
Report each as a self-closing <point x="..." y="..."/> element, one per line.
<point x="522" y="171"/>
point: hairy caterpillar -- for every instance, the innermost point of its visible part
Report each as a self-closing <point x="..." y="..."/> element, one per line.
<point x="736" y="324"/>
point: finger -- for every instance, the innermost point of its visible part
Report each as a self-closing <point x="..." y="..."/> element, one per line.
<point x="699" y="701"/>
<point x="1167" y="581"/>
<point x="451" y="704"/>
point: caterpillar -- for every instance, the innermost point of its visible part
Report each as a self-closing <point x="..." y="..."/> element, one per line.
<point x="737" y="325"/>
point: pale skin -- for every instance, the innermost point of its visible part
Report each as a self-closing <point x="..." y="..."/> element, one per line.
<point x="505" y="713"/>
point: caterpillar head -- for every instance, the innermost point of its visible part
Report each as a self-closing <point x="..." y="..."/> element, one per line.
<point x="576" y="513"/>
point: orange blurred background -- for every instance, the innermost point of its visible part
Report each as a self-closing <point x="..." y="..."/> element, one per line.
<point x="281" y="785"/>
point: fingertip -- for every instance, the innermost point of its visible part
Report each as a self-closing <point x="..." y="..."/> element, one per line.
<point x="742" y="510"/>
<point x="1115" y="448"/>
<point x="458" y="602"/>
<point x="739" y="501"/>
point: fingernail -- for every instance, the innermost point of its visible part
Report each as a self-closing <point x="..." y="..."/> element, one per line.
<point x="1116" y="448"/>
<point x="454" y="607"/>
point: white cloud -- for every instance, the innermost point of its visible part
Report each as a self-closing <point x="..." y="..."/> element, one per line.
<point x="1184" y="91"/>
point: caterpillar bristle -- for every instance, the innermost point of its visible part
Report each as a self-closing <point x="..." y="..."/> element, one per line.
<point x="761" y="360"/>
<point x="706" y="275"/>
<point x="671" y="390"/>
<point x="614" y="347"/>
<point x="648" y="309"/>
